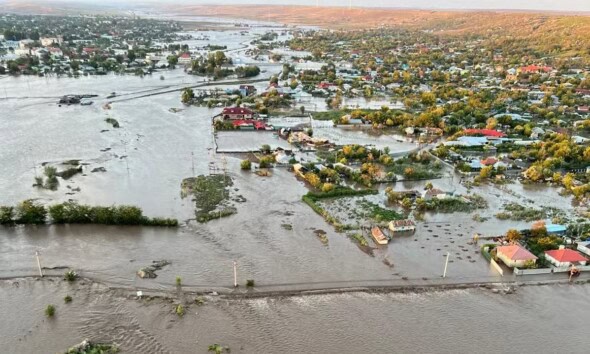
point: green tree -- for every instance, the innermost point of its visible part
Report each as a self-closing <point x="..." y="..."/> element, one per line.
<point x="172" y="60"/>
<point x="187" y="95"/>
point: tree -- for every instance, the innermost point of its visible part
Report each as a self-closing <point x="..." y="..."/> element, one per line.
<point x="172" y="60"/>
<point x="313" y="179"/>
<point x="187" y="95"/>
<point x="513" y="236"/>
<point x="407" y="203"/>
<point x="265" y="149"/>
<point x="302" y="109"/>
<point x="327" y="187"/>
<point x="428" y="98"/>
<point x="486" y="172"/>
<point x="428" y="186"/>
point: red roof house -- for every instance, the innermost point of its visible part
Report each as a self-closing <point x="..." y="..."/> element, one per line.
<point x="484" y="132"/>
<point x="565" y="257"/>
<point x="237" y="113"/>
<point x="514" y="255"/>
<point x="530" y="69"/>
<point x="490" y="161"/>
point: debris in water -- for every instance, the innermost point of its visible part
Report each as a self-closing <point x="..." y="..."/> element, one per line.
<point x="150" y="271"/>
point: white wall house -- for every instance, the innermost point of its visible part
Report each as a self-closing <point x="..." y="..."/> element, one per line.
<point x="514" y="255"/>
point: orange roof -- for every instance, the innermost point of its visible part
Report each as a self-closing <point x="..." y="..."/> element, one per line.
<point x="516" y="253"/>
<point x="566" y="255"/>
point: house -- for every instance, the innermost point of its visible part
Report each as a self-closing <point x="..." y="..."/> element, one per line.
<point x="55" y="52"/>
<point x="402" y="226"/>
<point x="485" y="132"/>
<point x="533" y="69"/>
<point x="555" y="229"/>
<point x="247" y="90"/>
<point x="184" y="59"/>
<point x="565" y="257"/>
<point x="433" y="193"/>
<point x="514" y="255"/>
<point x="475" y="165"/>
<point x="231" y="113"/>
<point x="490" y="161"/>
<point x="48" y="41"/>
<point x="584" y="247"/>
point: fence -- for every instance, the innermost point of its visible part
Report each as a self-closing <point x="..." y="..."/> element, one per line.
<point x="497" y="267"/>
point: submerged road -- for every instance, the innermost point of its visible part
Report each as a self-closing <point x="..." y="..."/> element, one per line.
<point x="331" y="287"/>
<point x="178" y="89"/>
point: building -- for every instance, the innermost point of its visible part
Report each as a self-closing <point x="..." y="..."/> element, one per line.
<point x="231" y="113"/>
<point x="584" y="247"/>
<point x="514" y="255"/>
<point x="565" y="257"/>
<point x="48" y="41"/>
<point x="434" y="193"/>
<point x="485" y="132"/>
<point x="247" y="90"/>
<point x="555" y="229"/>
<point x="184" y="59"/>
<point x="402" y="226"/>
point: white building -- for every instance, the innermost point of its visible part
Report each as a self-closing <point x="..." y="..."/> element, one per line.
<point x="402" y="226"/>
<point x="48" y="41"/>
<point x="564" y="257"/>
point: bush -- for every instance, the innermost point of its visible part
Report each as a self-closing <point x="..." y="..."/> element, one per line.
<point x="70" y="276"/>
<point x="29" y="212"/>
<point x="179" y="310"/>
<point x="6" y="215"/>
<point x="50" y="171"/>
<point x="266" y="161"/>
<point x="178" y="280"/>
<point x="50" y="311"/>
<point x="250" y="283"/>
<point x="67" y="299"/>
<point x="74" y="213"/>
<point x="246" y="165"/>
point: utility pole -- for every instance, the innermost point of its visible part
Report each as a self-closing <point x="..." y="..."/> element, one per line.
<point x="39" y="264"/>
<point x="446" y="265"/>
<point x="235" y="274"/>
<point x="193" y="161"/>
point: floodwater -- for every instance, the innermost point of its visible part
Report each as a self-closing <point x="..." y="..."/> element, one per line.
<point x="536" y="319"/>
<point x="145" y="161"/>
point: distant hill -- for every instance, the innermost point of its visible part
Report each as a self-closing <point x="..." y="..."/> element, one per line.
<point x="564" y="32"/>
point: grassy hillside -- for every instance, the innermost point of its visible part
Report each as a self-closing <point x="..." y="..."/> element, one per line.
<point x="567" y="33"/>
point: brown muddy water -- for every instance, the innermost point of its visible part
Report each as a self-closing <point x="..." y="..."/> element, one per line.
<point x="536" y="319"/>
<point x="146" y="160"/>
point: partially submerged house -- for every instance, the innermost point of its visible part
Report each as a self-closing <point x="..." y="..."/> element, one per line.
<point x="514" y="255"/>
<point x="565" y="257"/>
<point x="232" y="113"/>
<point x="402" y="226"/>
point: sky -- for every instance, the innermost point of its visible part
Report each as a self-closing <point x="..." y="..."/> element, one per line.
<point x="549" y="5"/>
<point x="553" y="5"/>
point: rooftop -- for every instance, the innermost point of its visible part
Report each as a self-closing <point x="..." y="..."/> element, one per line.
<point x="566" y="255"/>
<point x="516" y="253"/>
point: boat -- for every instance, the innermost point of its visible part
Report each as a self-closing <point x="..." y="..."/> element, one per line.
<point x="378" y="236"/>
